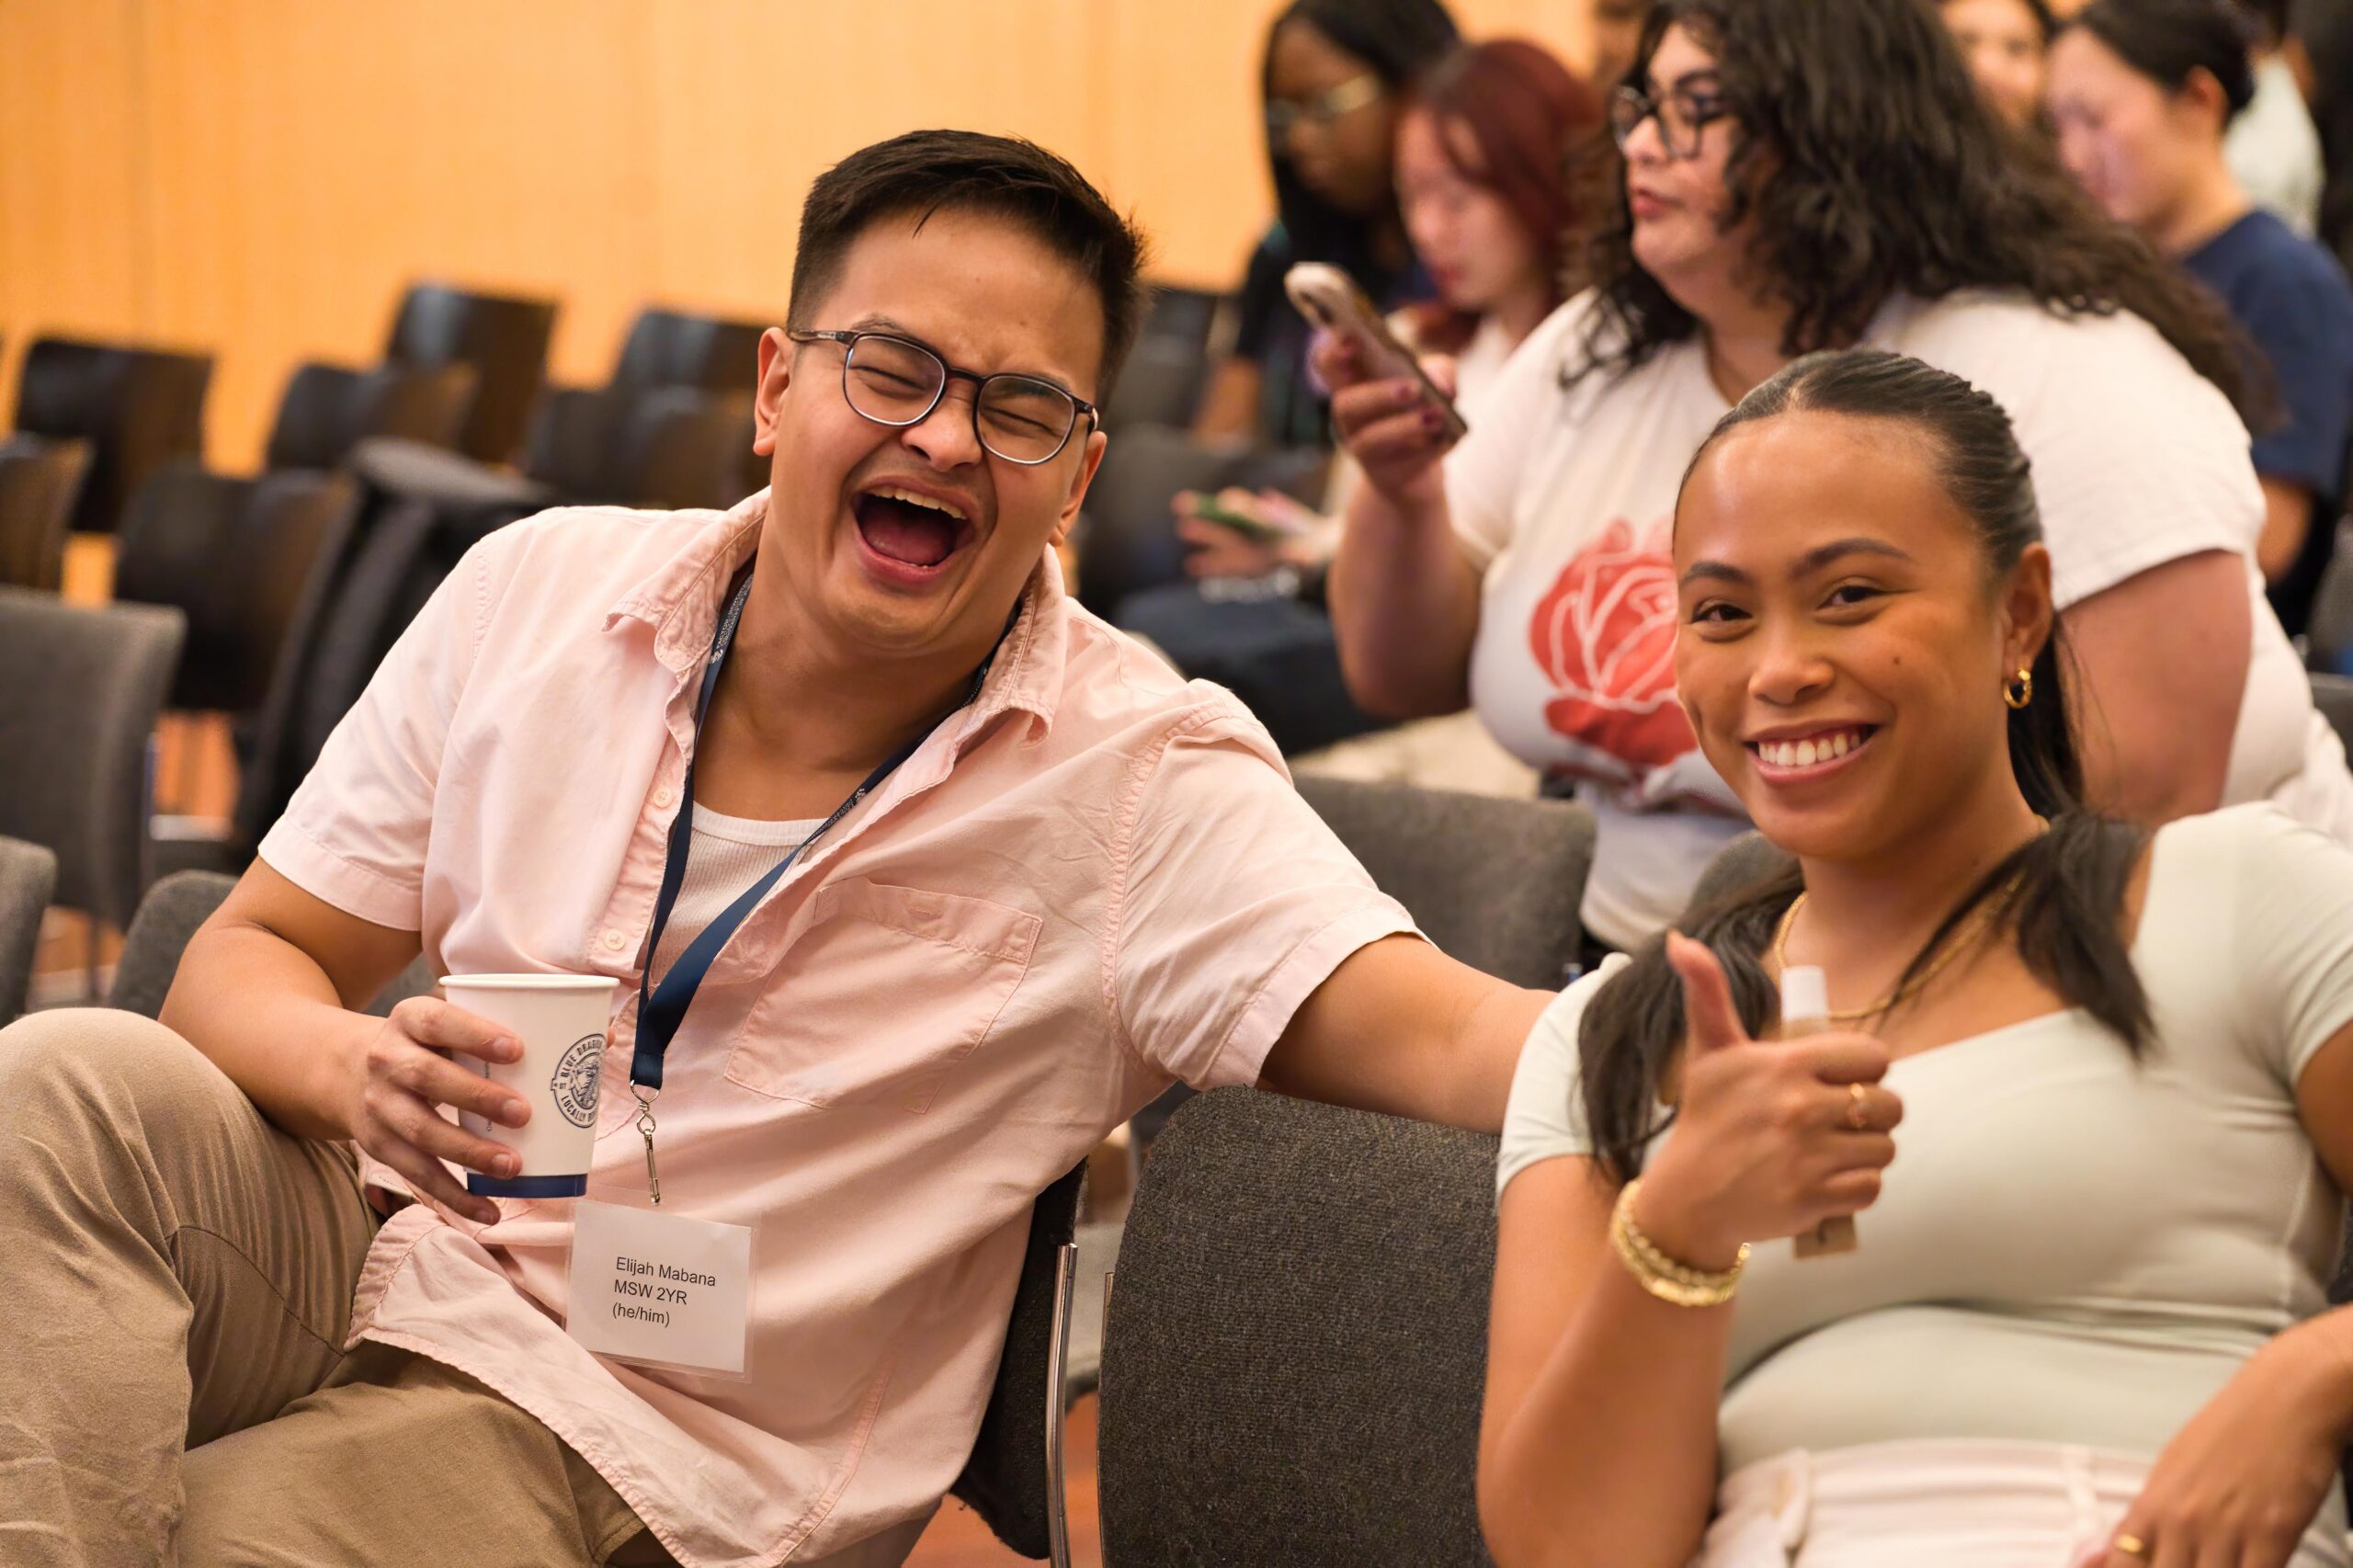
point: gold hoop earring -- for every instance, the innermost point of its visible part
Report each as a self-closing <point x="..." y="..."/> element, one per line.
<point x="2018" y="693"/>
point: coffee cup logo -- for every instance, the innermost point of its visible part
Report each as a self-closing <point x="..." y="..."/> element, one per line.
<point x="574" y="1086"/>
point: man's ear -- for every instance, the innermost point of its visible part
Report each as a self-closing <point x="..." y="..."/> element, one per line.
<point x="1089" y="460"/>
<point x="767" y="398"/>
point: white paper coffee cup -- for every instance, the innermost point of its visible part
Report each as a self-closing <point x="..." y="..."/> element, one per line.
<point x="561" y="1019"/>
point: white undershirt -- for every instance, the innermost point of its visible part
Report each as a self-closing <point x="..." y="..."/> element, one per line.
<point x="724" y="856"/>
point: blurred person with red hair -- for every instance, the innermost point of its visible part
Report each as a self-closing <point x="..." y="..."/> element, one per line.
<point x="1482" y="148"/>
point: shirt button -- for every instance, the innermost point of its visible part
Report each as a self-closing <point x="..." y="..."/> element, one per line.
<point x="615" y="940"/>
<point x="662" y="797"/>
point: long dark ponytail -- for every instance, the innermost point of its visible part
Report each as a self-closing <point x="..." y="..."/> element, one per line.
<point x="2061" y="894"/>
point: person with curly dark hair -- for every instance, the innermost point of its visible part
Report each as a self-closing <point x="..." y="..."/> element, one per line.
<point x="1802" y="174"/>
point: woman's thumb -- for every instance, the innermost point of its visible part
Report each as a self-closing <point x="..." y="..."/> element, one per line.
<point x="1707" y="1011"/>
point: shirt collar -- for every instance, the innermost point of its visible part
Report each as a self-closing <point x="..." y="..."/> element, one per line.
<point x="682" y="601"/>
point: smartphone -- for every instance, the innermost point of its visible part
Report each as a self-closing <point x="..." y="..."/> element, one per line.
<point x="1256" y="529"/>
<point x="1330" y="298"/>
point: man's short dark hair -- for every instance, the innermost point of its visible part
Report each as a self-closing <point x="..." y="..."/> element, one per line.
<point x="925" y="172"/>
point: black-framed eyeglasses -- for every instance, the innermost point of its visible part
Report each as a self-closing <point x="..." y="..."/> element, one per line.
<point x="1325" y="107"/>
<point x="1683" y="113"/>
<point x="897" y="382"/>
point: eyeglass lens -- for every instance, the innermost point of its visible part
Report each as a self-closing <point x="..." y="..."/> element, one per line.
<point x="894" y="383"/>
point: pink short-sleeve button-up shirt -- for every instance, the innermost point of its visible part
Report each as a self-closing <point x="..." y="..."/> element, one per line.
<point x="1093" y="881"/>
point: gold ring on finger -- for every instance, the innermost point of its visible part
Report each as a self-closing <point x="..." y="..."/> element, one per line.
<point x="2130" y="1545"/>
<point x="1856" y="1118"/>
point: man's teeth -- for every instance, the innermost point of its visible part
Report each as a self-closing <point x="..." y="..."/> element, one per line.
<point x="893" y="493"/>
<point x="1805" y="753"/>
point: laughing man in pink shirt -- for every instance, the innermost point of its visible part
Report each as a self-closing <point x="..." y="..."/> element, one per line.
<point x="258" y="1317"/>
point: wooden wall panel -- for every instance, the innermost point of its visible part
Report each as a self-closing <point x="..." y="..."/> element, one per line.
<point x="263" y="177"/>
<point x="70" y="168"/>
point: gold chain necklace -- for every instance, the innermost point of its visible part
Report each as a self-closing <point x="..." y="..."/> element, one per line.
<point x="1961" y="941"/>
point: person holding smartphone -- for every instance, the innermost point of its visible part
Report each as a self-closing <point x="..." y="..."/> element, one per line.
<point x="1334" y="78"/>
<point x="1480" y="145"/>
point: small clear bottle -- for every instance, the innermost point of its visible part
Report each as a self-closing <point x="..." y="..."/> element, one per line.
<point x="1805" y="1010"/>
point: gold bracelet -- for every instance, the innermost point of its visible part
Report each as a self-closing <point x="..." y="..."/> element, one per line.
<point x="1666" y="1277"/>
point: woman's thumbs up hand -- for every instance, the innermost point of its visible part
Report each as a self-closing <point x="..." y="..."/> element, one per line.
<point x="1771" y="1138"/>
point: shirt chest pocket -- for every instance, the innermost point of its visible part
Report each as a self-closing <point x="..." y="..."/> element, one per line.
<point x="881" y="994"/>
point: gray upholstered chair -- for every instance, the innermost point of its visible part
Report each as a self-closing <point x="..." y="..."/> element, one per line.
<point x="77" y="709"/>
<point x="1293" y="1359"/>
<point x="329" y="409"/>
<point x="504" y="337"/>
<point x="1494" y="882"/>
<point x="28" y="877"/>
<point x="138" y="408"/>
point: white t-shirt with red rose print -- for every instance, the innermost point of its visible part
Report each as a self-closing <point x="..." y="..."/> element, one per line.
<point x="1563" y="498"/>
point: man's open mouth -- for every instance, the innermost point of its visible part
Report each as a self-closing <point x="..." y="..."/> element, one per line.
<point x="915" y="530"/>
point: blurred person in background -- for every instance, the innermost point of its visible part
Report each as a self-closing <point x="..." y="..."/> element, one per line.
<point x="1802" y="174"/>
<point x="2004" y="42"/>
<point x="1335" y="74"/>
<point x="1482" y="148"/>
<point x="2272" y="145"/>
<point x="2140" y="91"/>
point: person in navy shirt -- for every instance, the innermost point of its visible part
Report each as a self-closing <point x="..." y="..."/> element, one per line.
<point x="2142" y="92"/>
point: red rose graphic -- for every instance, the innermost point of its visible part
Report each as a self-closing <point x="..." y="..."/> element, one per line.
<point x="1605" y="637"/>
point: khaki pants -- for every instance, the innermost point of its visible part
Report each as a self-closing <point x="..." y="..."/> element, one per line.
<point x="176" y="1281"/>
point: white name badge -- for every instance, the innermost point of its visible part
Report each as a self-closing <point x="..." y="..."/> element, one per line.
<point x="661" y="1289"/>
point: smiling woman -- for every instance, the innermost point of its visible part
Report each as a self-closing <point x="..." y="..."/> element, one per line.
<point x="2086" y="1320"/>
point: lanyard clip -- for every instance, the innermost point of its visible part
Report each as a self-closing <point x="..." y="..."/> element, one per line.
<point x="645" y="1130"/>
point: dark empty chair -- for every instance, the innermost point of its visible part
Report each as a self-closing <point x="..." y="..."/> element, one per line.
<point x="638" y="441"/>
<point x="504" y="337"/>
<point x="643" y="447"/>
<point x="679" y="348"/>
<point x="139" y="408"/>
<point x="41" y="481"/>
<point x="76" y="711"/>
<point x="1293" y="1358"/>
<point x="235" y="556"/>
<point x="328" y="410"/>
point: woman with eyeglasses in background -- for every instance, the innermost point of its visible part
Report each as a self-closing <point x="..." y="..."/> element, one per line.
<point x="1336" y="73"/>
<point x="2004" y="42"/>
<point x="1803" y="175"/>
<point x="2142" y="93"/>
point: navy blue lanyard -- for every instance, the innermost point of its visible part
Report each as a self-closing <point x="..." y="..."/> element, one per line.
<point x="660" y="1013"/>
